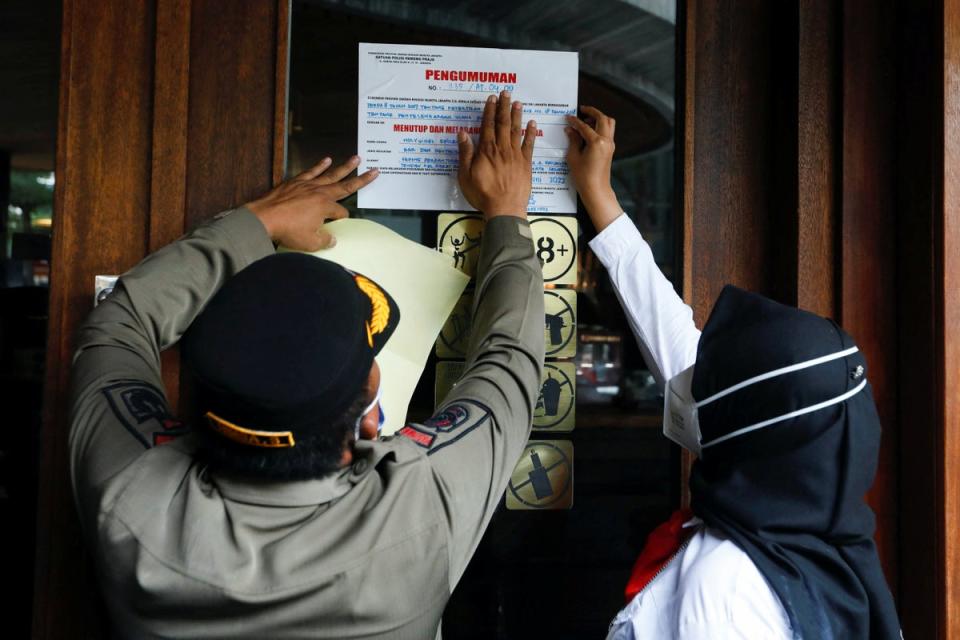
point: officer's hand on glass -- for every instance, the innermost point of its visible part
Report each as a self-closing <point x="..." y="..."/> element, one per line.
<point x="294" y="212"/>
<point x="496" y="174"/>
<point x="590" y="157"/>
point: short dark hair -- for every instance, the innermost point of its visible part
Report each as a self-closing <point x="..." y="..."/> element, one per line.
<point x="313" y="456"/>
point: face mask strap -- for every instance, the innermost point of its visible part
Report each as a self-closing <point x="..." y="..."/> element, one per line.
<point x="793" y="414"/>
<point x="687" y="434"/>
<point x="373" y="403"/>
<point x="778" y="372"/>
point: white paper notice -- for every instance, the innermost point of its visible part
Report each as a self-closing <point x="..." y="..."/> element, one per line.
<point x="415" y="99"/>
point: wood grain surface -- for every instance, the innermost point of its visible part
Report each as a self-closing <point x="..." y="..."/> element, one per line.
<point x="166" y="117"/>
<point x="102" y="204"/>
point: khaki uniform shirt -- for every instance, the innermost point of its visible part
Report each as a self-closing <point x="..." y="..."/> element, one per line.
<point x="371" y="552"/>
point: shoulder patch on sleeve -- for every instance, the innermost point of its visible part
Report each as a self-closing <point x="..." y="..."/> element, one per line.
<point x="420" y="438"/>
<point x="447" y="426"/>
<point x="450" y="418"/>
<point x="142" y="409"/>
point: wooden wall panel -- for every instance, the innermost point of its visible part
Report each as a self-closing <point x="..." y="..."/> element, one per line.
<point x="231" y="126"/>
<point x="232" y="98"/>
<point x="281" y="90"/>
<point x="789" y="184"/>
<point x="946" y="249"/>
<point x="928" y="286"/>
<point x="728" y="172"/>
<point x="168" y="188"/>
<point x="166" y="117"/>
<point x="102" y="200"/>
<point x="761" y="181"/>
<point x="868" y="299"/>
<point x="919" y="199"/>
<point x="818" y="148"/>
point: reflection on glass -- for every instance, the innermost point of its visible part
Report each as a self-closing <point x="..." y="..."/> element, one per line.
<point x="26" y="238"/>
<point x="557" y="574"/>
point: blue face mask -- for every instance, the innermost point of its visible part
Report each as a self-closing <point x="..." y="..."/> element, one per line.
<point x="370" y="407"/>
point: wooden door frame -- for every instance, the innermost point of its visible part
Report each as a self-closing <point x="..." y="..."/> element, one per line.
<point x="188" y="119"/>
<point x="166" y="116"/>
<point x="928" y="229"/>
<point x="870" y="121"/>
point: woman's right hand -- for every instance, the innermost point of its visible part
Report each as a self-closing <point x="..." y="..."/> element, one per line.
<point x="589" y="157"/>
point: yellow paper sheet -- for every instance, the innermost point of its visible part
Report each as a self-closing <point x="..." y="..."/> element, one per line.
<point x="425" y="288"/>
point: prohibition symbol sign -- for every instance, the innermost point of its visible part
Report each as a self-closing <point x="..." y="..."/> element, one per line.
<point x="556" y="400"/>
<point x="560" y="322"/>
<point x="543" y="479"/>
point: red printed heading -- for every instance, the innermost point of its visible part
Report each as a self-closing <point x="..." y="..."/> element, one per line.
<point x="470" y="76"/>
<point x="443" y="128"/>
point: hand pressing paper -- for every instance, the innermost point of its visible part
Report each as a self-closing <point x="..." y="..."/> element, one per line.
<point x="425" y="288"/>
<point x="413" y="101"/>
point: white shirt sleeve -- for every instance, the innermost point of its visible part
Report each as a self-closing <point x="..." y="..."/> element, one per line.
<point x="660" y="320"/>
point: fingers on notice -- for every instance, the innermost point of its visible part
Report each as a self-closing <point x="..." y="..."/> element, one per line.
<point x="486" y="126"/>
<point x="503" y="120"/>
<point x="575" y="147"/>
<point x="354" y="184"/>
<point x="516" y="123"/>
<point x="340" y="171"/>
<point x="529" y="140"/>
<point x="465" y="145"/>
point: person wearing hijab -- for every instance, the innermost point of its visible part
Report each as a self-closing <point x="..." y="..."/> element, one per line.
<point x="776" y="404"/>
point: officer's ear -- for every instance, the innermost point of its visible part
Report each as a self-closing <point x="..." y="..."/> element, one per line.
<point x="346" y="456"/>
<point x="370" y="423"/>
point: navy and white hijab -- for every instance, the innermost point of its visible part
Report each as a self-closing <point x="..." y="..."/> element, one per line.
<point x="791" y="495"/>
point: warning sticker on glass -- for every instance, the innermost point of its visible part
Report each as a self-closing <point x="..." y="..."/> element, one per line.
<point x="543" y="479"/>
<point x="556" y="404"/>
<point x="459" y="237"/>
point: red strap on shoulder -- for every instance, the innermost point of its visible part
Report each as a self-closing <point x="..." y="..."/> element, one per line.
<point x="662" y="543"/>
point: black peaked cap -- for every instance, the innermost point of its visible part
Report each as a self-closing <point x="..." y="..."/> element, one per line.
<point x="288" y="342"/>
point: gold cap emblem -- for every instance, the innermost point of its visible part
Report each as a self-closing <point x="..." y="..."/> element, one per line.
<point x="380" y="308"/>
<point x="250" y="437"/>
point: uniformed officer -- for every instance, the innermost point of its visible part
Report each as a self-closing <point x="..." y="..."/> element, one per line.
<point x="283" y="515"/>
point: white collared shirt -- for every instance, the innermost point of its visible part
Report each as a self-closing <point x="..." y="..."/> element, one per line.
<point x="711" y="590"/>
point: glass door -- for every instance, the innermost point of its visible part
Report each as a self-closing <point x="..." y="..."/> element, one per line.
<point x="556" y="566"/>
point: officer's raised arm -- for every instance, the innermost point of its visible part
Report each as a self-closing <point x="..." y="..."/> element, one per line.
<point x="481" y="427"/>
<point x="660" y="320"/>
<point x="118" y="408"/>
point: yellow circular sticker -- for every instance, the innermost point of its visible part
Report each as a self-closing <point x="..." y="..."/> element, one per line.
<point x="459" y="237"/>
<point x="543" y="478"/>
<point x="555" y="245"/>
